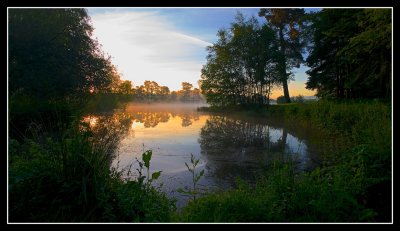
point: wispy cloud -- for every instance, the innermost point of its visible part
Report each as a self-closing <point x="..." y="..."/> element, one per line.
<point x="148" y="46"/>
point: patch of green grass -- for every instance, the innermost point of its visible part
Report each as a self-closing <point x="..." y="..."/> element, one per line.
<point x="282" y="196"/>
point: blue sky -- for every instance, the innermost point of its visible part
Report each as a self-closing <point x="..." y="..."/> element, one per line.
<point x="167" y="45"/>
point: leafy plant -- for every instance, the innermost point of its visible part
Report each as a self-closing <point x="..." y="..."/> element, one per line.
<point x="195" y="177"/>
<point x="146" y="157"/>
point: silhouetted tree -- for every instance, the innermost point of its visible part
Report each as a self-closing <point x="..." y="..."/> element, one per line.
<point x="351" y="53"/>
<point x="287" y="24"/>
<point x="52" y="54"/>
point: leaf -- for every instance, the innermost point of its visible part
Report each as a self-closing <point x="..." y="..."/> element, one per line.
<point x="187" y="166"/>
<point x="147" y="157"/>
<point x="155" y="175"/>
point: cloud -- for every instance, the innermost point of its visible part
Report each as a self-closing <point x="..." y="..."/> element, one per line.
<point x="145" y="45"/>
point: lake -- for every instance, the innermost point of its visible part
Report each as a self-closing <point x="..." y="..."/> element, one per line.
<point x="228" y="146"/>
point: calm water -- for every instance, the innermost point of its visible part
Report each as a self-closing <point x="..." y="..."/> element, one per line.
<point x="228" y="146"/>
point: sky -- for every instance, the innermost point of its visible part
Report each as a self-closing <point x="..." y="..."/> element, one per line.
<point x="168" y="45"/>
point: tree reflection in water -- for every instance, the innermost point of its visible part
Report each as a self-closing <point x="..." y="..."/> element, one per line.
<point x="109" y="129"/>
<point x="150" y="119"/>
<point x="237" y="147"/>
<point x="121" y="122"/>
<point x="106" y="131"/>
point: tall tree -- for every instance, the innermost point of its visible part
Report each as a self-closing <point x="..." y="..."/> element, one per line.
<point x="241" y="66"/>
<point x="344" y="40"/>
<point x="287" y="24"/>
<point x="52" y="54"/>
<point x="372" y="37"/>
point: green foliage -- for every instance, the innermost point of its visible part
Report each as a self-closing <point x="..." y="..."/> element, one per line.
<point x="241" y="65"/>
<point x="282" y="196"/>
<point x="52" y="54"/>
<point x="70" y="180"/>
<point x="352" y="185"/>
<point x="146" y="157"/>
<point x="54" y="65"/>
<point x="195" y="177"/>
<point x="342" y="44"/>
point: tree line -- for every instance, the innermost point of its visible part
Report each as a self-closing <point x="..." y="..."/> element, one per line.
<point x="151" y="91"/>
<point x="348" y="52"/>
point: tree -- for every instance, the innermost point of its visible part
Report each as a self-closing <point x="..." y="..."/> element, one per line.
<point x="174" y="95"/>
<point x="372" y="38"/>
<point x="287" y="24"/>
<point x="186" y="90"/>
<point x="186" y="86"/>
<point x="164" y="92"/>
<point x="241" y="66"/>
<point x="343" y="42"/>
<point x="331" y="29"/>
<point x="151" y="89"/>
<point x="52" y="54"/>
<point x="126" y="87"/>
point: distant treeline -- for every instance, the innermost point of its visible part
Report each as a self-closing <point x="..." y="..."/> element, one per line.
<point x="348" y="52"/>
<point x="151" y="91"/>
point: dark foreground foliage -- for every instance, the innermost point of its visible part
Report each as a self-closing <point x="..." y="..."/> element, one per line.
<point x="70" y="180"/>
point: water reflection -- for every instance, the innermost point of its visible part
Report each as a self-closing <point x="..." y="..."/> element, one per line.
<point x="123" y="121"/>
<point x="242" y="148"/>
<point x="228" y="146"/>
<point x="151" y="119"/>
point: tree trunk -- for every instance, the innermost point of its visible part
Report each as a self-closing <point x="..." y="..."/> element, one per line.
<point x="286" y="91"/>
<point x="283" y="73"/>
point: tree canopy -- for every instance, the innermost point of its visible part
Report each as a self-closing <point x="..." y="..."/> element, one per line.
<point x="350" y="55"/>
<point x="242" y="65"/>
<point x="52" y="54"/>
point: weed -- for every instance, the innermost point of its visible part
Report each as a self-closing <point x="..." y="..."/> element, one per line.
<point x="195" y="177"/>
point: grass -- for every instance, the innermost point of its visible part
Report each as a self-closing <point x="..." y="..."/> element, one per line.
<point x="281" y="197"/>
<point x="352" y="185"/>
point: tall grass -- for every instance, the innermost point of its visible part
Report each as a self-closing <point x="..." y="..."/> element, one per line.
<point x="352" y="185"/>
<point x="67" y="178"/>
